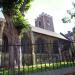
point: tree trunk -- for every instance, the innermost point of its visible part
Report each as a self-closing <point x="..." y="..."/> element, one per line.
<point x="1" y="31"/>
<point x="14" y="43"/>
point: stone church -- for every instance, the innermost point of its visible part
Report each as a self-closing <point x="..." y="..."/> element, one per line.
<point x="39" y="40"/>
<point x="44" y="39"/>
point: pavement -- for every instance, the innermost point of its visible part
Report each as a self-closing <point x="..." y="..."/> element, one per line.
<point x="73" y="73"/>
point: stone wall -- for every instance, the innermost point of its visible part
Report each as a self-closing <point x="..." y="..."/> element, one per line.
<point x="48" y="41"/>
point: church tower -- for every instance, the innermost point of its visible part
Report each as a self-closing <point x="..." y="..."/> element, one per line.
<point x="45" y="21"/>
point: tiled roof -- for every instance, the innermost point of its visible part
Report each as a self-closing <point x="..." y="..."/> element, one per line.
<point x="47" y="32"/>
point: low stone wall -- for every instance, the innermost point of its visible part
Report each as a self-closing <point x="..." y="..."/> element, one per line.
<point x="62" y="71"/>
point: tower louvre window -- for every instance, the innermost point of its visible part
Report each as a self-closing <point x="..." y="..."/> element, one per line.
<point x="40" y="25"/>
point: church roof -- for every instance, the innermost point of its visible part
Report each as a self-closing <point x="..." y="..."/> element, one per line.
<point x="47" y="32"/>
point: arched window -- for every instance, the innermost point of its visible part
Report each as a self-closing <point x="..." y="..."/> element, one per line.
<point x="55" y="46"/>
<point x="26" y="44"/>
<point x="40" y="24"/>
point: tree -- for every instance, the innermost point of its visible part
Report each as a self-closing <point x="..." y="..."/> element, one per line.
<point x="71" y="15"/>
<point x="68" y="19"/>
<point x="13" y="11"/>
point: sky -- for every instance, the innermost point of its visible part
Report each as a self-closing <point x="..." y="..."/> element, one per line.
<point x="55" y="8"/>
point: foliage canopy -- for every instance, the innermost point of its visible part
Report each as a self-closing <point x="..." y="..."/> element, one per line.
<point x="15" y="9"/>
<point x="71" y="14"/>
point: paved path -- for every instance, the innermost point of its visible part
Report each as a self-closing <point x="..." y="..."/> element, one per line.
<point x="73" y="73"/>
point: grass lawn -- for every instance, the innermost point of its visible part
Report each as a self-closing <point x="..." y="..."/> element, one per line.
<point x="36" y="68"/>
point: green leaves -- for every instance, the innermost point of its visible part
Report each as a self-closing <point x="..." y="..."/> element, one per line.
<point x="66" y="20"/>
<point x="15" y="9"/>
<point x="10" y="5"/>
<point x="20" y="22"/>
<point x="71" y="14"/>
<point x="25" y="6"/>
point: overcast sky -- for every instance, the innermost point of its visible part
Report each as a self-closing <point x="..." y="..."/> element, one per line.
<point x="55" y="8"/>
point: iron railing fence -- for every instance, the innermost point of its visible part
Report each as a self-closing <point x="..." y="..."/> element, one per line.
<point x="23" y="59"/>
